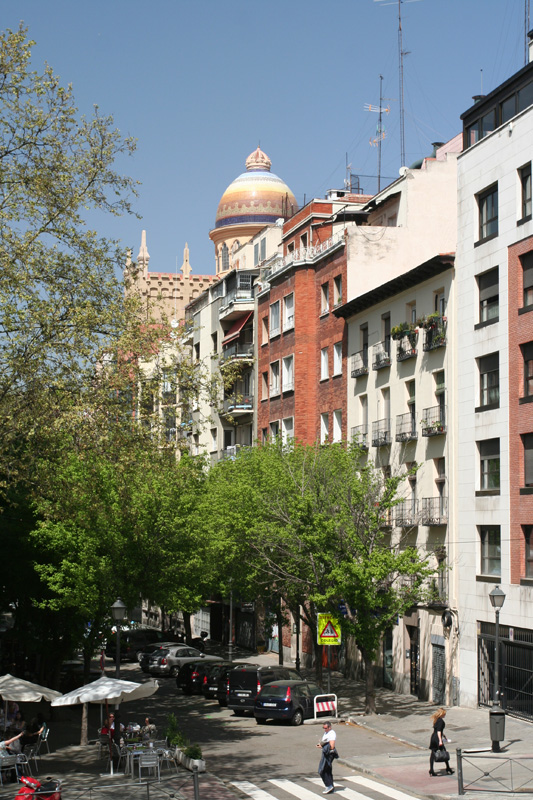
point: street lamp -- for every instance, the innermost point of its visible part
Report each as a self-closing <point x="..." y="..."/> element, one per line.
<point x="497" y="714"/>
<point x="118" y="612"/>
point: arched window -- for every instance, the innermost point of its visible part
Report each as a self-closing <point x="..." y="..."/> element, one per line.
<point x="225" y="257"/>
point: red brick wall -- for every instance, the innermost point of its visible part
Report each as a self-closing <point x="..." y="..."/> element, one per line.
<point x="520" y="415"/>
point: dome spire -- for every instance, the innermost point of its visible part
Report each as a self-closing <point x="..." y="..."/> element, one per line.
<point x="144" y="256"/>
<point x="186" y="268"/>
<point x="258" y="160"/>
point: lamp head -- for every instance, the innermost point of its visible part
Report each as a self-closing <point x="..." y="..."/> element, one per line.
<point x="497" y="598"/>
<point x="118" y="610"/>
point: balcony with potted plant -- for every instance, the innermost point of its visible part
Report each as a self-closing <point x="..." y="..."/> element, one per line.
<point x="406" y="334"/>
<point x="433" y="421"/>
<point x="434" y="326"/>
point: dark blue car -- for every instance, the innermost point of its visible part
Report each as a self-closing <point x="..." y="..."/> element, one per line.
<point x="290" y="700"/>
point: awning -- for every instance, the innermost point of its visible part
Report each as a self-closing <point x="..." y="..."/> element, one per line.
<point x="235" y="330"/>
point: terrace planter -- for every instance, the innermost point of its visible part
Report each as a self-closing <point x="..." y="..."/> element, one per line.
<point x="189" y="763"/>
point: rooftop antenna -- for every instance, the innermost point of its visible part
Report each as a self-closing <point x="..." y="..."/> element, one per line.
<point x="380" y="133"/>
<point x="526" y="31"/>
<point x="401" y="54"/>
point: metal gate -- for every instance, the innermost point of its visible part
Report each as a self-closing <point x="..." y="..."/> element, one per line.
<point x="438" y="665"/>
<point x="516" y="669"/>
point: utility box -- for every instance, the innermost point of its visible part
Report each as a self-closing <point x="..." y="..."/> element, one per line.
<point x="497" y="724"/>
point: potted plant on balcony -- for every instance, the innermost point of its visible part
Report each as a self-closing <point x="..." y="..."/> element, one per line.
<point x="399" y="331"/>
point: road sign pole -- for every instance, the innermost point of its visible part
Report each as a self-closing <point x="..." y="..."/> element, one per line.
<point x="329" y="673"/>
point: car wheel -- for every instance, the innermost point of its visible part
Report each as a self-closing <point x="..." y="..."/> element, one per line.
<point x="260" y="720"/>
<point x="297" y="717"/>
<point x="174" y="672"/>
<point x="239" y="712"/>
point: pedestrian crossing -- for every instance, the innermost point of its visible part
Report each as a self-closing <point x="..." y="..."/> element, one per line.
<point x="290" y="788"/>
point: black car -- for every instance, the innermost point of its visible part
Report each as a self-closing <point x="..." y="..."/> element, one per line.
<point x="290" y="700"/>
<point x="191" y="676"/>
<point x="246" y="682"/>
<point x="215" y="685"/>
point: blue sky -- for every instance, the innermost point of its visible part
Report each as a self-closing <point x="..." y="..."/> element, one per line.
<point x="201" y="84"/>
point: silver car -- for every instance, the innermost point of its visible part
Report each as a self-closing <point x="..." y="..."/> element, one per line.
<point x="168" y="660"/>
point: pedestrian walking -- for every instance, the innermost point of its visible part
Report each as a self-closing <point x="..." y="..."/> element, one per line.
<point x="436" y="743"/>
<point x="328" y="743"/>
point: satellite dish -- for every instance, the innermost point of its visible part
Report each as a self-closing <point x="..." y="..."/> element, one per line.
<point x="174" y="323"/>
<point x="447" y="619"/>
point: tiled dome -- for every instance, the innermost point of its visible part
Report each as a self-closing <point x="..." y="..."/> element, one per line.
<point x="256" y="196"/>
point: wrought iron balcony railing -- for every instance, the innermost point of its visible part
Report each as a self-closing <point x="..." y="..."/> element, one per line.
<point x="237" y="351"/>
<point x="406" y="513"/>
<point x="359" y="363"/>
<point x="434" y="511"/>
<point x="381" y="355"/>
<point x="433" y="421"/>
<point x="407" y="346"/>
<point x="381" y="434"/>
<point x="360" y="435"/>
<point x="406" y="428"/>
<point x="435" y="332"/>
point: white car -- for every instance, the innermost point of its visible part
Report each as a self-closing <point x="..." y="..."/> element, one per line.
<point x="168" y="660"/>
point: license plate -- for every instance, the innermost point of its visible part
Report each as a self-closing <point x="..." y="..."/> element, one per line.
<point x="269" y="705"/>
<point x="243" y="694"/>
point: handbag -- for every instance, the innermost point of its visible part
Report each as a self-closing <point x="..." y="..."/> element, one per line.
<point x="442" y="754"/>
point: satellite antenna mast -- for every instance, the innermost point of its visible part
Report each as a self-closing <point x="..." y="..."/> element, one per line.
<point x="380" y="133"/>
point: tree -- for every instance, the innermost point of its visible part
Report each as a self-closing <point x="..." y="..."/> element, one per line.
<point x="312" y="519"/>
<point x="60" y="298"/>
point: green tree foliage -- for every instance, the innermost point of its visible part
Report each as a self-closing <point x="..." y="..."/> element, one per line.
<point x="309" y="522"/>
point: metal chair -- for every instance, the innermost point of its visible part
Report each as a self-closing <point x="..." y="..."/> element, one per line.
<point x="44" y="738"/>
<point x="103" y="745"/>
<point x="29" y="754"/>
<point x="168" y="757"/>
<point x="158" y="744"/>
<point x="149" y="761"/>
<point x="7" y="763"/>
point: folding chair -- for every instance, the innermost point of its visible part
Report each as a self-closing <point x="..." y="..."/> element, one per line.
<point x="168" y="757"/>
<point x="149" y="761"/>
<point x="28" y="754"/>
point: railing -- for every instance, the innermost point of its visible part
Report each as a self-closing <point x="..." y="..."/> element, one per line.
<point x="237" y="350"/>
<point x="433" y="421"/>
<point x="381" y="355"/>
<point x="314" y="251"/>
<point x="406" y="347"/>
<point x="381" y="435"/>
<point x="359" y="363"/>
<point x="360" y="435"/>
<point x="494" y="772"/>
<point x="238" y="296"/>
<point x="437" y="594"/>
<point x="238" y="403"/>
<point x="406" y="428"/>
<point x="231" y="451"/>
<point x="405" y="514"/>
<point x="434" y="511"/>
<point x="435" y="333"/>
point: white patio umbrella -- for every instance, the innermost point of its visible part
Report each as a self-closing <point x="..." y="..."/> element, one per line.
<point x="21" y="691"/>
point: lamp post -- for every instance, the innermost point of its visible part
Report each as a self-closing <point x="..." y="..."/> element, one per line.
<point x="497" y="714"/>
<point x="118" y="612"/>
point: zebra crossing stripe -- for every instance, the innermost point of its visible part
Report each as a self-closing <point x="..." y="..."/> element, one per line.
<point x="388" y="791"/>
<point x="346" y="794"/>
<point x="292" y="788"/>
<point x="252" y="791"/>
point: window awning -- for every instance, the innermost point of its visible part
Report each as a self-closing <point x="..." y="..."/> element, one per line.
<point x="235" y="330"/>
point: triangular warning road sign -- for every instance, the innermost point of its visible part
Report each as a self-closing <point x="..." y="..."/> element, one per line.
<point x="329" y="632"/>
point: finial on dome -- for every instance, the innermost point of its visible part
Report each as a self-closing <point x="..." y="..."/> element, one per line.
<point x="186" y="268"/>
<point x="258" y="160"/>
<point x="144" y="256"/>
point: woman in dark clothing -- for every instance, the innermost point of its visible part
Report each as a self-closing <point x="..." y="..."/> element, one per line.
<point x="437" y="740"/>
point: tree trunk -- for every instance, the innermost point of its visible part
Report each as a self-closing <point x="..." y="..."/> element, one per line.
<point x="84" y="738"/>
<point x="370" y="689"/>
<point x="187" y="624"/>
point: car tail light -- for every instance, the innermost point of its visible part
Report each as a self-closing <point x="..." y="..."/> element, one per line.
<point x="194" y="675"/>
<point x="204" y="680"/>
<point x="258" y="688"/>
<point x="163" y="661"/>
<point x="288" y="695"/>
<point x="227" y="687"/>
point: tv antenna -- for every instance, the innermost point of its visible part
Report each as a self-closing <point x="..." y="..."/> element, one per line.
<point x="380" y="133"/>
<point x="401" y="54"/>
<point x="526" y="31"/>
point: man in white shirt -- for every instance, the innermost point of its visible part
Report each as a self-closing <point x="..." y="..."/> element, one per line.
<point x="325" y="768"/>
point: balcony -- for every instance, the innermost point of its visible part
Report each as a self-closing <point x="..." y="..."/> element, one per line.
<point x="236" y="302"/>
<point x="406" y="428"/>
<point x="359" y="364"/>
<point x="437" y="590"/>
<point x="238" y="404"/>
<point x="433" y="421"/>
<point x="406" y="514"/>
<point x="381" y="435"/>
<point x="360" y="436"/>
<point x="435" y="332"/>
<point x="407" y="346"/>
<point x="231" y="451"/>
<point x="238" y="351"/>
<point x="434" y="511"/>
<point x="381" y="355"/>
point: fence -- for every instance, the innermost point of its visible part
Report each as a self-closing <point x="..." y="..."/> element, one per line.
<point x="494" y="773"/>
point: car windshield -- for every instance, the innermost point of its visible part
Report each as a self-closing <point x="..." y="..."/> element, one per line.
<point x="161" y="653"/>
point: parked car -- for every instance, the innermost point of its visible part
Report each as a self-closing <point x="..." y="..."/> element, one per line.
<point x="192" y="675"/>
<point x="132" y="641"/>
<point x="245" y="683"/>
<point x="222" y="679"/>
<point x="290" y="700"/>
<point x="148" y="650"/>
<point x="167" y="662"/>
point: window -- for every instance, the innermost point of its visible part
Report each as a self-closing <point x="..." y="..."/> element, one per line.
<point x="337" y="290"/>
<point x="274" y="319"/>
<point x="264" y="435"/>
<point x="337" y="425"/>
<point x="287" y="429"/>
<point x="439" y="302"/>
<point x="288" y="312"/>
<point x="525" y="184"/>
<point x="489" y="303"/>
<point x="324" y="428"/>
<point x="489" y="468"/>
<point x="274" y="429"/>
<point x="264" y="330"/>
<point x="214" y="440"/>
<point x="525" y="96"/>
<point x="324" y="298"/>
<point x="197" y="351"/>
<point x="287" y="374"/>
<point x="527" y="278"/>
<point x="411" y="403"/>
<point x="303" y="241"/>
<point x="264" y="386"/>
<point x="527" y="441"/>
<point x="214" y="340"/>
<point x="274" y="378"/>
<point x="256" y="254"/>
<point x="225" y="257"/>
<point x="324" y="364"/>
<point x="527" y="354"/>
<point x="411" y="313"/>
<point x="337" y="358"/>
<point x="488" y="213"/>
<point x="528" y="541"/>
<point x="490" y="550"/>
<point x="489" y="381"/>
<point x="263" y="249"/>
